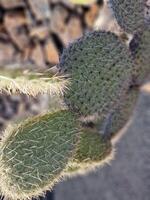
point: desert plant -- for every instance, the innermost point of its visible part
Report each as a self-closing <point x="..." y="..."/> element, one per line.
<point x="35" y="153"/>
<point x="129" y="14"/>
<point x="97" y="75"/>
<point x="99" y="65"/>
<point x="31" y="83"/>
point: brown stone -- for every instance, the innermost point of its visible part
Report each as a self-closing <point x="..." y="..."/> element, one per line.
<point x="67" y="3"/>
<point x="37" y="56"/>
<point x="91" y="15"/>
<point x="8" y="4"/>
<point x="40" y="9"/>
<point x="29" y="18"/>
<point x="6" y="53"/>
<point x="40" y="32"/>
<point x="74" y="29"/>
<point x="15" y="26"/>
<point x="59" y="14"/>
<point x="51" y="52"/>
<point x="3" y="34"/>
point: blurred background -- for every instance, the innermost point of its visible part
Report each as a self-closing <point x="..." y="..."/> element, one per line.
<point x="33" y="34"/>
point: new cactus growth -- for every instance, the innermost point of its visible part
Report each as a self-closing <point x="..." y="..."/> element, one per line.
<point x="99" y="76"/>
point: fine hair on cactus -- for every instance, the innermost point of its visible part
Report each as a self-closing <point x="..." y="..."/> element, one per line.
<point x="100" y="66"/>
<point x="129" y="14"/>
<point x="31" y="83"/>
<point x="34" y="154"/>
<point x="97" y="81"/>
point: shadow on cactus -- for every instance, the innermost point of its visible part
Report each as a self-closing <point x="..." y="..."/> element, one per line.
<point x="96" y="81"/>
<point x="91" y="152"/>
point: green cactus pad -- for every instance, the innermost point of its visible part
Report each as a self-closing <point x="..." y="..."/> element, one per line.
<point x="124" y="111"/>
<point x="129" y="14"/>
<point x="142" y="57"/>
<point x="99" y="67"/>
<point x="90" y="152"/>
<point x="31" y="83"/>
<point x="34" y="155"/>
<point x="91" y="147"/>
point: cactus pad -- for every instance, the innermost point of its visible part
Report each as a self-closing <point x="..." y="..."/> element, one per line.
<point x="99" y="66"/>
<point x="91" y="147"/>
<point x="31" y="83"/>
<point x="34" y="155"/>
<point x="142" y="57"/>
<point x="90" y="152"/>
<point x="124" y="111"/>
<point x="129" y="14"/>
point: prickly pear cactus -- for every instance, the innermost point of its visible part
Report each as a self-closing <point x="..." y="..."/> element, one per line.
<point x="129" y="14"/>
<point x="102" y="72"/>
<point x="99" y="67"/>
<point x="91" y="147"/>
<point x="142" y="56"/>
<point x="33" y="155"/>
<point x="91" y="150"/>
<point x="124" y="111"/>
<point x="31" y="83"/>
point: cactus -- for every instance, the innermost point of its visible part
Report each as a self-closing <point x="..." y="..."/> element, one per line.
<point x="142" y="57"/>
<point x="123" y="112"/>
<point x="91" y="147"/>
<point x="99" y="76"/>
<point x="99" y="67"/>
<point x="34" y="154"/>
<point x="90" y="151"/>
<point x="129" y="14"/>
<point x="31" y="83"/>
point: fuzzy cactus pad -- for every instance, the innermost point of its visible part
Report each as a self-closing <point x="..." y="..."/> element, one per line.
<point x="129" y="14"/>
<point x="99" y="67"/>
<point x="142" y="56"/>
<point x="34" y="155"/>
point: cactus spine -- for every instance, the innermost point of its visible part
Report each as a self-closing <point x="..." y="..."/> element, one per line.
<point x="31" y="83"/>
